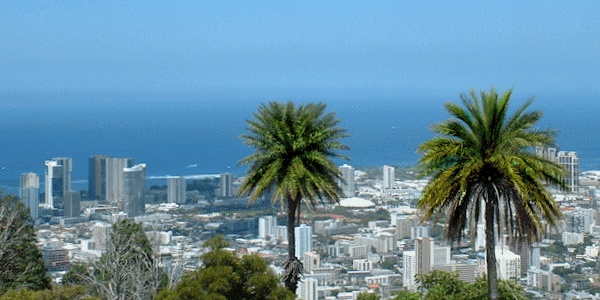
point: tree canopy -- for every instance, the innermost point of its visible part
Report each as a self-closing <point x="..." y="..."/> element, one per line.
<point x="225" y="275"/>
<point x="293" y="147"/>
<point x="482" y="164"/>
<point x="21" y="263"/>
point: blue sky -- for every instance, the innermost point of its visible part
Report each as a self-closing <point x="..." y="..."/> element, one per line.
<point x="444" y="46"/>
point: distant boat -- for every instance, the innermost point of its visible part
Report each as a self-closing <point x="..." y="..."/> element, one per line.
<point x="191" y="166"/>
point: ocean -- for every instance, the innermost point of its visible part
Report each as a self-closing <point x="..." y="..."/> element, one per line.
<point x="196" y="132"/>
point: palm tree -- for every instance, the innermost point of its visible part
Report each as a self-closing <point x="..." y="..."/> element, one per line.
<point x="482" y="163"/>
<point x="292" y="158"/>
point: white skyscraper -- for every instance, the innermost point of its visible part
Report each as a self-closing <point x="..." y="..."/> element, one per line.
<point x="29" y="193"/>
<point x="226" y="185"/>
<point x="570" y="162"/>
<point x="388" y="177"/>
<point x="303" y="240"/>
<point x="307" y="289"/>
<point x="441" y="256"/>
<point x="115" y="180"/>
<point x="176" y="189"/>
<point x="409" y="270"/>
<point x="58" y="179"/>
<point x="101" y="235"/>
<point x="135" y="190"/>
<point x="480" y="239"/>
<point x="347" y="184"/>
<point x="509" y="264"/>
<point x="267" y="226"/>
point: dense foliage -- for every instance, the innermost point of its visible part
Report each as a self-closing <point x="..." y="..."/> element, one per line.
<point x="224" y="275"/>
<point x="293" y="147"/>
<point x="21" y="263"/>
<point x="443" y="285"/>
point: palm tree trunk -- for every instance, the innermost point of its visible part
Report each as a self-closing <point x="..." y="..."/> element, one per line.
<point x="291" y="226"/>
<point x="290" y="282"/>
<point x="490" y="248"/>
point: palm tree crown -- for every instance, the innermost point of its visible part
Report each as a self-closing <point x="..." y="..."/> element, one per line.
<point x="482" y="163"/>
<point x="292" y="158"/>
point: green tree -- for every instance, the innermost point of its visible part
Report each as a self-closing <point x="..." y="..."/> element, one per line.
<point x="368" y="296"/>
<point x="482" y="163"/>
<point x="127" y="270"/>
<point x="58" y="292"/>
<point x="444" y="285"/>
<point x="224" y="275"/>
<point x="75" y="275"/>
<point x="292" y="158"/>
<point x="21" y="263"/>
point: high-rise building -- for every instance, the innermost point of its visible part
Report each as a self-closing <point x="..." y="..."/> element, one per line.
<point x="419" y="232"/>
<point x="135" y="190"/>
<point x="308" y="289"/>
<point x="267" y="226"/>
<point x="115" y="182"/>
<point x="404" y="224"/>
<point x="424" y="251"/>
<point x="534" y="257"/>
<point x="547" y="153"/>
<point x="409" y="270"/>
<point x="509" y="264"/>
<point x="101" y="235"/>
<point x="29" y="193"/>
<point x="347" y="182"/>
<point x="570" y="162"/>
<point x="388" y="177"/>
<point x="311" y="261"/>
<point x="441" y="256"/>
<point x="303" y="240"/>
<point x="97" y="177"/>
<point x="58" y="179"/>
<point x="480" y="238"/>
<point x="176" y="189"/>
<point x="226" y="185"/>
<point x="72" y="208"/>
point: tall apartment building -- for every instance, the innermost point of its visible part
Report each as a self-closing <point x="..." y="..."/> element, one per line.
<point x="509" y="264"/>
<point x="308" y="289"/>
<point x="347" y="182"/>
<point x="570" y="162"/>
<point x="115" y="178"/>
<point x="311" y="261"/>
<point x="424" y="251"/>
<point x="29" y="193"/>
<point x="441" y="256"/>
<point x="303" y="240"/>
<point x="176" y="190"/>
<point x="58" y="180"/>
<point x="226" y="185"/>
<point x="547" y="153"/>
<point x="97" y="177"/>
<point x="388" y="177"/>
<point x="419" y="232"/>
<point x="409" y="270"/>
<point x="72" y="207"/>
<point x="404" y="223"/>
<point x="135" y="190"/>
<point x="567" y="159"/>
<point x="267" y="226"/>
<point x="101" y="235"/>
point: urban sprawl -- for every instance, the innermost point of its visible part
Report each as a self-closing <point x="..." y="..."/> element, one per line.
<point x="372" y="240"/>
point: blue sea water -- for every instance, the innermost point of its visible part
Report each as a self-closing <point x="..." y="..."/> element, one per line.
<point x="187" y="133"/>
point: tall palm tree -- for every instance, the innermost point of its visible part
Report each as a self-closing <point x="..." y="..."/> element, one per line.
<point x="482" y="162"/>
<point x="292" y="158"/>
